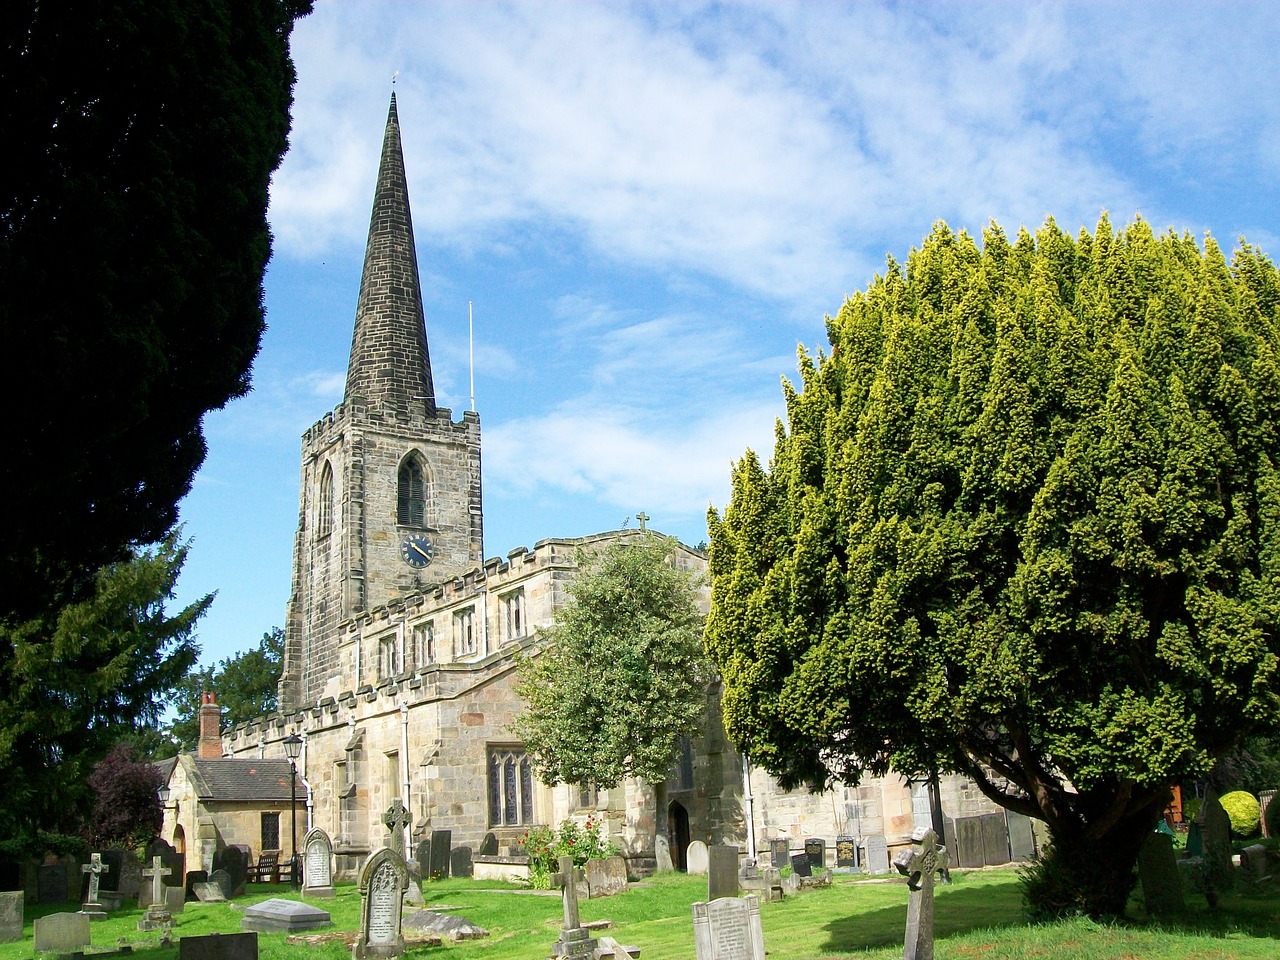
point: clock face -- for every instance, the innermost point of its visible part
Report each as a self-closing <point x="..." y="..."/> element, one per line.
<point x="416" y="550"/>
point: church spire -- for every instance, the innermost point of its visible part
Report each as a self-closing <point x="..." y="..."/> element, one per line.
<point x="389" y="360"/>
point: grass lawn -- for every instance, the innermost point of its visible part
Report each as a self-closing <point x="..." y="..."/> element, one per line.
<point x="978" y="915"/>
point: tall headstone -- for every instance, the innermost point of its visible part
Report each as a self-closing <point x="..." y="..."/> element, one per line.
<point x="51" y="883"/>
<point x="11" y="905"/>
<point x="383" y="881"/>
<point x="1215" y="826"/>
<point x="877" y="854"/>
<point x="235" y="862"/>
<point x="847" y="853"/>
<point x="574" y="942"/>
<point x="317" y="865"/>
<point x="662" y="853"/>
<point x="441" y="850"/>
<point x="728" y="929"/>
<point x="919" y="865"/>
<point x="696" y="858"/>
<point x="722" y="872"/>
<point x="1158" y="872"/>
<point x="815" y="848"/>
<point x="779" y="852"/>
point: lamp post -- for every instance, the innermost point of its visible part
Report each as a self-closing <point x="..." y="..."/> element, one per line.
<point x="293" y="747"/>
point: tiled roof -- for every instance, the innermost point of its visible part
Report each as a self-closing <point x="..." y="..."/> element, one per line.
<point x="233" y="779"/>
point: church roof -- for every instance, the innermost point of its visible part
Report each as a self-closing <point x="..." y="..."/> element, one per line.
<point x="390" y="365"/>
<point x="229" y="778"/>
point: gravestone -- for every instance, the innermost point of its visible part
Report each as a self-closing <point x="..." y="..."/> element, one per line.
<point x="1216" y="828"/>
<point x="779" y="852"/>
<point x="209" y="892"/>
<point x="51" y="883"/>
<point x="422" y="857"/>
<point x="847" y="853"/>
<point x="441" y="846"/>
<point x="175" y="899"/>
<point x="219" y="946"/>
<point x="11" y="906"/>
<point x="877" y="854"/>
<point x="444" y="925"/>
<point x="1158" y="873"/>
<point x="396" y="819"/>
<point x="93" y="871"/>
<point x="130" y="881"/>
<point x="61" y="932"/>
<point x="489" y="845"/>
<point x="1022" y="838"/>
<point x="815" y="848"/>
<point x="194" y="877"/>
<point x="109" y="877"/>
<point x="695" y="858"/>
<point x="460" y="862"/>
<point x="918" y="865"/>
<point x="800" y="866"/>
<point x="157" y="916"/>
<point x="1253" y="863"/>
<point x="173" y="860"/>
<point x="728" y="929"/>
<point x="383" y="880"/>
<point x="284" y="916"/>
<point x="606" y="876"/>
<point x="234" y="861"/>
<point x="317" y="864"/>
<point x="722" y="872"/>
<point x="662" y="853"/>
<point x="222" y="880"/>
<point x="574" y="942"/>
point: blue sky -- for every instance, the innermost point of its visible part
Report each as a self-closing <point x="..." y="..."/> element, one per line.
<point x="651" y="205"/>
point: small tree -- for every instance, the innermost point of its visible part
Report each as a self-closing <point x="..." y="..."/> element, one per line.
<point x="126" y="810"/>
<point x="621" y="677"/>
<point x="245" y="685"/>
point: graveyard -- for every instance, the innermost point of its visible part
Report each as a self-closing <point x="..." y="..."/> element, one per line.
<point x="979" y="913"/>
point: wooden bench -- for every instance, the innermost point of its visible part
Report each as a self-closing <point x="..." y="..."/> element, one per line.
<point x="267" y="870"/>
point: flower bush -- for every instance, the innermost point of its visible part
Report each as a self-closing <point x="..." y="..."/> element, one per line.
<point x="1242" y="807"/>
<point x="546" y="845"/>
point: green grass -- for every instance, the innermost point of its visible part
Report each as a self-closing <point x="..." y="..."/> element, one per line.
<point x="979" y="915"/>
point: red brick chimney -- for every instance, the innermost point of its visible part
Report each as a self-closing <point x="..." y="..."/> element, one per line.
<point x="210" y="728"/>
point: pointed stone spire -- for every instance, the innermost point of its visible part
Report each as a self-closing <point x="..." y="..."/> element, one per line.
<point x="389" y="364"/>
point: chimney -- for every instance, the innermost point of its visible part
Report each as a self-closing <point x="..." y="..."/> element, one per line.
<point x="210" y="728"/>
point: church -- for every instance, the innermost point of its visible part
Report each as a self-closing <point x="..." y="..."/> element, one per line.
<point x="401" y="636"/>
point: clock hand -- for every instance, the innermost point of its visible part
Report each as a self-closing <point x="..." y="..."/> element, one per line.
<point x="420" y="550"/>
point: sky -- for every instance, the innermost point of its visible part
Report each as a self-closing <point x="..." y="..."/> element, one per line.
<point x="649" y="207"/>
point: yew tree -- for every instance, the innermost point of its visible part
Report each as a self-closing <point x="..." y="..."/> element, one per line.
<point x="1022" y="523"/>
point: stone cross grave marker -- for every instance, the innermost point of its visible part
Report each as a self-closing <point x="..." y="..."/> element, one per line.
<point x="728" y="929"/>
<point x="95" y="868"/>
<point x="157" y="915"/>
<point x="574" y="941"/>
<point x="396" y="819"/>
<point x="918" y="865"/>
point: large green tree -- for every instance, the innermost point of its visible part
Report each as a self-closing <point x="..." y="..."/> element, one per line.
<point x="621" y="676"/>
<point x="1022" y="523"/>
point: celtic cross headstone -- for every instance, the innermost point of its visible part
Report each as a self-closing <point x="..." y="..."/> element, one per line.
<point x="919" y="865"/>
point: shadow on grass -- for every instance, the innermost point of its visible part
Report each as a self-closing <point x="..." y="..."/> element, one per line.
<point x="958" y="909"/>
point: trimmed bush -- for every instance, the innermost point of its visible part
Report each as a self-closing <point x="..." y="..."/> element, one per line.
<point x="1243" y="809"/>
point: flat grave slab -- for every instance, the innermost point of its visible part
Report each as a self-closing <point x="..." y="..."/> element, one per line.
<point x="284" y="916"/>
<point x="219" y="946"/>
<point x="453" y="927"/>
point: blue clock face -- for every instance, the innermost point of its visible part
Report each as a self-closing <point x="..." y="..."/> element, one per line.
<point x="416" y="550"/>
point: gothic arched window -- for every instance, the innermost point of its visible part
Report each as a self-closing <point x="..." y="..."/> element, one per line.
<point x="411" y="494"/>
<point x="324" y="513"/>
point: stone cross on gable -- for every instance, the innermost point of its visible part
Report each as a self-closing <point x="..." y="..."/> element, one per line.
<point x="396" y="819"/>
<point x="157" y="873"/>
<point x="643" y="518"/>
<point x="574" y="942"/>
<point x="95" y="868"/>
<point x="919" y="865"/>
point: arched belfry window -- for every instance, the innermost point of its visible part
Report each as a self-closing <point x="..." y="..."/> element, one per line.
<point x="324" y="511"/>
<point x="414" y="494"/>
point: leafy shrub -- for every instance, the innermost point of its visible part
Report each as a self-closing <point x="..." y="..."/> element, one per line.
<point x="1243" y="810"/>
<point x="1191" y="809"/>
<point x="1273" y="817"/>
<point x="545" y="846"/>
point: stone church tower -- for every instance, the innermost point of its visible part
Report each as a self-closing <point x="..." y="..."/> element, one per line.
<point x="390" y="490"/>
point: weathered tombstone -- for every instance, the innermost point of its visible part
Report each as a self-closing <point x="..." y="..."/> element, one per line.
<point x="1216" y="827"/>
<point x="606" y="876"/>
<point x="445" y="925"/>
<point x="573" y="942"/>
<point x="877" y="854"/>
<point x="219" y="946"/>
<point x="284" y="916"/>
<point x="722" y="872"/>
<point x="1158" y="872"/>
<point x="61" y="932"/>
<point x="317" y="864"/>
<point x="234" y="861"/>
<point x="11" y="906"/>
<point x="1022" y="838"/>
<point x="173" y="860"/>
<point x="995" y="839"/>
<point x="1253" y="863"/>
<point x="847" y="853"/>
<point x="695" y="858"/>
<point x="112" y="866"/>
<point x="175" y="899"/>
<point x="919" y="865"/>
<point x="460" y="862"/>
<point x="779" y="851"/>
<point x="382" y="884"/>
<point x="728" y="929"/>
<point x="489" y="845"/>
<point x="51" y="883"/>
<point x="815" y="848"/>
<point x="130" y="876"/>
<point x="94" y="869"/>
<point x="800" y="866"/>
<point x="662" y="853"/>
<point x="222" y="880"/>
<point x="441" y="846"/>
<point x="422" y="856"/>
<point x="157" y="916"/>
<point x="209" y="892"/>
